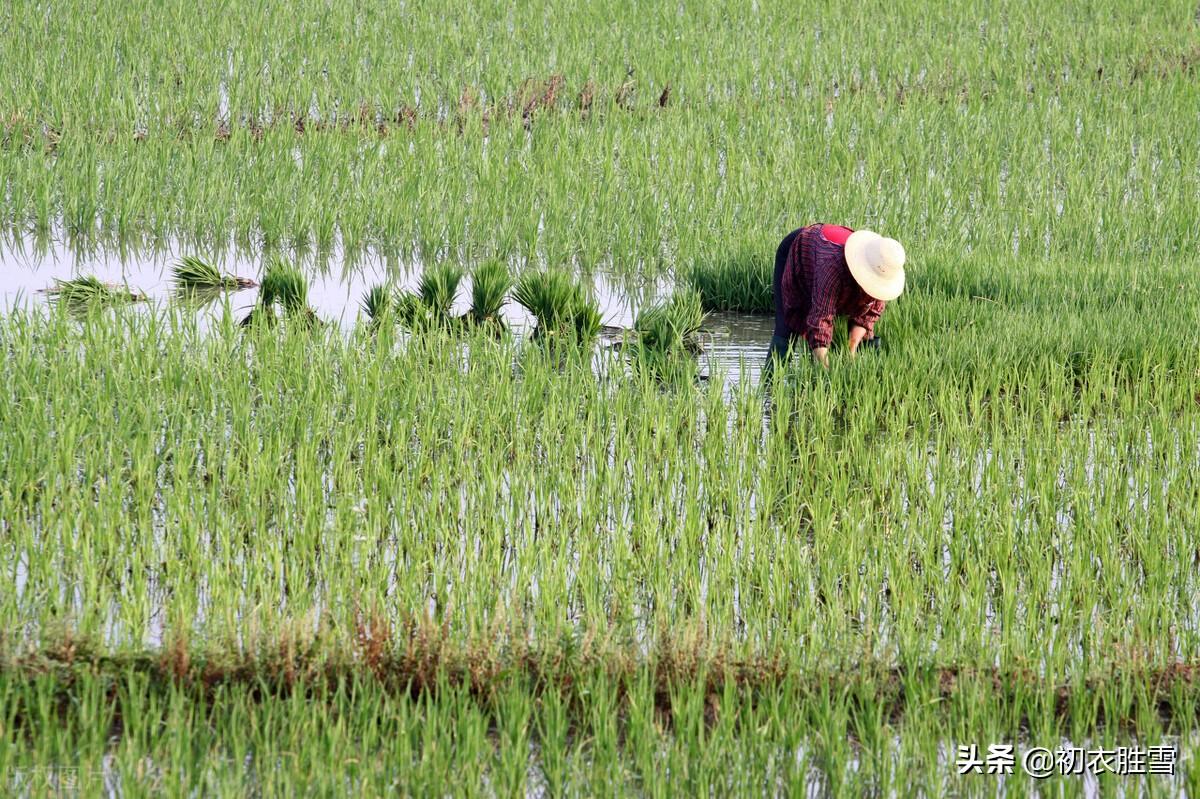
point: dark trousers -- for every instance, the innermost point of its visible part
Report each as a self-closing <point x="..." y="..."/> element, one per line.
<point x="783" y="338"/>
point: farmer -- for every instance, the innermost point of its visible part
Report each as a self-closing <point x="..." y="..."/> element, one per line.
<point x="826" y="271"/>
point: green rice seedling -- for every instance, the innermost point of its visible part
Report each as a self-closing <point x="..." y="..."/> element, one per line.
<point x="673" y="325"/>
<point x="585" y="315"/>
<point x="625" y="537"/>
<point x="283" y="284"/>
<point x="191" y="272"/>
<point x="977" y="538"/>
<point x="437" y="287"/>
<point x="490" y="284"/>
<point x="283" y="287"/>
<point x="667" y="337"/>
<point x="431" y="303"/>
<point x="88" y="291"/>
<point x="410" y="311"/>
<point x="734" y="285"/>
<point x="560" y="305"/>
<point x="378" y="304"/>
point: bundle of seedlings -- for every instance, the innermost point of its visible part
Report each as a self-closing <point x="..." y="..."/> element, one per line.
<point x="88" y="291"/>
<point x="666" y="338"/>
<point x="672" y="326"/>
<point x="430" y="304"/>
<point x="379" y="305"/>
<point x="192" y="273"/>
<point x="490" y="284"/>
<point x="560" y="305"/>
<point x="283" y="289"/>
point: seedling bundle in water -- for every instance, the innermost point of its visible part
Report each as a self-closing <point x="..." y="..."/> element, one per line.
<point x="193" y="273"/>
<point x="431" y="303"/>
<point x="490" y="284"/>
<point x="559" y="303"/>
<point x="672" y="326"/>
<point x="285" y="289"/>
<point x="89" y="291"/>
<point x="666" y="336"/>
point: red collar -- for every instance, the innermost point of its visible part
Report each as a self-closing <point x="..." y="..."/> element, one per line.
<point x="836" y="234"/>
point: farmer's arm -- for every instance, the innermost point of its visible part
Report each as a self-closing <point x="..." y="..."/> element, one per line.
<point x="821" y="311"/>
<point x="862" y="325"/>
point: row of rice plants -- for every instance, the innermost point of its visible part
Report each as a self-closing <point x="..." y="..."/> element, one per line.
<point x="592" y="733"/>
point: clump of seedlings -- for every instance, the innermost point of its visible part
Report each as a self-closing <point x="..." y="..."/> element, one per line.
<point x="666" y="336"/>
<point x="430" y="304"/>
<point x="283" y="289"/>
<point x="193" y="273"/>
<point x="672" y="326"/>
<point x="90" y="291"/>
<point x="490" y="284"/>
<point x="432" y="301"/>
<point x="560" y="305"/>
<point x="379" y="305"/>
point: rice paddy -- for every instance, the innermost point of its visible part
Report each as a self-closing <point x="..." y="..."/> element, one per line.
<point x="392" y="537"/>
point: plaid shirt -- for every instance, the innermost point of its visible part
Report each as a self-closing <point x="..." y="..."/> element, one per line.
<point x="817" y="286"/>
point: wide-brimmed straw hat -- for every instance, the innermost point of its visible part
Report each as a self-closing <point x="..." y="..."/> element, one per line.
<point x="877" y="264"/>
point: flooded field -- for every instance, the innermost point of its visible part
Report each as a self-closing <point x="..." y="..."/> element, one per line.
<point x="735" y="343"/>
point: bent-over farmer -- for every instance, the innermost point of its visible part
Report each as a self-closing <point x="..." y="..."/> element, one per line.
<point x="826" y="271"/>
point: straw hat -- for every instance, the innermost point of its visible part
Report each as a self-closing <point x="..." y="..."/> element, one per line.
<point x="877" y="264"/>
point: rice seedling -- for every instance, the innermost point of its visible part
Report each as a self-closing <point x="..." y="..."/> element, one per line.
<point x="284" y="288"/>
<point x="90" y="291"/>
<point x="873" y="552"/>
<point x="673" y="325"/>
<point x="490" y="284"/>
<point x="192" y="273"/>
<point x="437" y="287"/>
<point x="379" y="305"/>
<point x="283" y="284"/>
<point x="431" y="303"/>
<point x="667" y="338"/>
<point x="560" y="305"/>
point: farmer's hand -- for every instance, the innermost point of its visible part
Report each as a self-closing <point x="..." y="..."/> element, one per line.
<point x="822" y="356"/>
<point x="857" y="334"/>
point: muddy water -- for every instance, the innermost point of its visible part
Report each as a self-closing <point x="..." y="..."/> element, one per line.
<point x="736" y="344"/>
